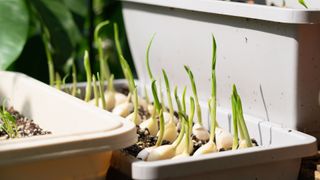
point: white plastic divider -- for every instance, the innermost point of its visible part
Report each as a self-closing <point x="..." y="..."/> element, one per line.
<point x="82" y="136"/>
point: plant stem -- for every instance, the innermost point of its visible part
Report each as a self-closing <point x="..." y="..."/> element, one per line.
<point x="212" y="110"/>
<point x="147" y="58"/>
<point x="184" y="106"/>
<point x="101" y="91"/>
<point x="160" y="111"/>
<point x="87" y="68"/>
<point x="58" y="81"/>
<point x="136" y="106"/>
<point x="74" y="80"/>
<point x="161" y="133"/>
<point x="110" y="83"/>
<point x="178" y="102"/>
<point x="166" y="80"/>
<point x="242" y="123"/>
<point x="234" y="120"/>
<point x="191" y="116"/>
<point x="195" y="94"/>
<point x="46" y="42"/>
<point x="104" y="68"/>
<point x="95" y="91"/>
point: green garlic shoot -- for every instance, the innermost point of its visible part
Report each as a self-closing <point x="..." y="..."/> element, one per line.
<point x="239" y="121"/>
<point x="146" y="95"/>
<point x="166" y="80"/>
<point x="213" y="100"/>
<point x="95" y="91"/>
<point x="101" y="92"/>
<point x="128" y="73"/>
<point x="184" y="106"/>
<point x="147" y="58"/>
<point x="194" y="90"/>
<point x="186" y="147"/>
<point x="159" y="111"/>
<point x="171" y="131"/>
<point x="119" y="51"/>
<point x="104" y="68"/>
<point x="48" y="50"/>
<point x="9" y="122"/>
<point x="63" y="83"/>
<point x="234" y="122"/>
<point x="135" y="117"/>
<point x="87" y="68"/>
<point x="303" y="4"/>
<point x="178" y="101"/>
<point x="74" y="80"/>
<point x="242" y="123"/>
<point x="58" y="81"/>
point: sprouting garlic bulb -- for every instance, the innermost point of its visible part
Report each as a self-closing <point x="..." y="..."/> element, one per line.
<point x="110" y="100"/>
<point x="170" y="133"/>
<point x="151" y="125"/>
<point x="151" y="109"/>
<point x="130" y="117"/>
<point x="123" y="109"/>
<point x="224" y="139"/>
<point x="162" y="152"/>
<point x="143" y="155"/>
<point x="167" y="118"/>
<point x="242" y="144"/>
<point x="200" y="132"/>
<point x="182" y="145"/>
<point x="209" y="147"/>
<point x="119" y="98"/>
<point x="181" y="156"/>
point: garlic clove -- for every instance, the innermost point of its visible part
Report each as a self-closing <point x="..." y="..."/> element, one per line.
<point x="161" y="152"/>
<point x="200" y="132"/>
<point x="123" y="109"/>
<point x="209" y="147"/>
<point x="130" y="117"/>
<point x="182" y="145"/>
<point x="151" y="125"/>
<point x="224" y="139"/>
<point x="110" y="100"/>
<point x="150" y="109"/>
<point x="143" y="155"/>
<point x="119" y="98"/>
<point x="242" y="144"/>
<point x="170" y="133"/>
<point x="181" y="156"/>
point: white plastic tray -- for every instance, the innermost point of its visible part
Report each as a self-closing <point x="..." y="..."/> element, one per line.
<point x="278" y="155"/>
<point x="82" y="136"/>
<point x="258" y="46"/>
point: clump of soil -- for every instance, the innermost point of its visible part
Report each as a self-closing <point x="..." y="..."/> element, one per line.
<point x="25" y="126"/>
<point x="145" y="140"/>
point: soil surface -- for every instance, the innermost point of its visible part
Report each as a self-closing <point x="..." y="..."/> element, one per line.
<point x="25" y="127"/>
<point x="145" y="140"/>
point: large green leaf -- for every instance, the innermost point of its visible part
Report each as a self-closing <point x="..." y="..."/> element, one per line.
<point x="14" y="23"/>
<point x="64" y="33"/>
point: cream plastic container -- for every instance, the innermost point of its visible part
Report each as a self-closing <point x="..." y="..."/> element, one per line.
<point x="82" y="138"/>
<point x="278" y="155"/>
<point x="258" y="46"/>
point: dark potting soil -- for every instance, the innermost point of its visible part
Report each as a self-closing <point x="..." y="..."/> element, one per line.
<point x="25" y="126"/>
<point x="145" y="140"/>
